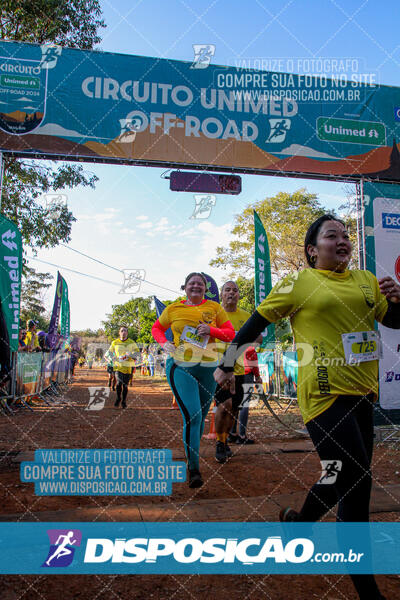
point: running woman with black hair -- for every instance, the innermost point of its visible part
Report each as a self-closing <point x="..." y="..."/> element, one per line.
<point x="332" y="312"/>
<point x="196" y="323"/>
<point x="122" y="352"/>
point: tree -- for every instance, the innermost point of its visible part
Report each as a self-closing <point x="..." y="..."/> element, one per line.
<point x="32" y="301"/>
<point x="246" y="293"/>
<point x="136" y="315"/>
<point x="42" y="223"/>
<point x="71" y="23"/>
<point x="286" y="218"/>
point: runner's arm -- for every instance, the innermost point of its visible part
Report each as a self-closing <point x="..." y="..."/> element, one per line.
<point x="246" y="335"/>
<point x="225" y="332"/>
<point x="158" y="333"/>
<point x="392" y="316"/>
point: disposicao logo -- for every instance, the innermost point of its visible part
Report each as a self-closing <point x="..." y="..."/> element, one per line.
<point x="391" y="220"/>
<point x="61" y="551"/>
<point x="190" y="550"/>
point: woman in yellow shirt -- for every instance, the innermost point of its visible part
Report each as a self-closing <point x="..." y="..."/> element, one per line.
<point x="195" y="323"/>
<point x="332" y="311"/>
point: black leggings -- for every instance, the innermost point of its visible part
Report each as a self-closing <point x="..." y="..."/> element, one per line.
<point x="344" y="433"/>
<point x="124" y="388"/>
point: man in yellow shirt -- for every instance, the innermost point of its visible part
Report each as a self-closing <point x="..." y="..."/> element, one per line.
<point x="227" y="403"/>
<point x="122" y="352"/>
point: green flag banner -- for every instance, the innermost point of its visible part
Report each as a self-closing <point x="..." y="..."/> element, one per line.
<point x="262" y="276"/>
<point x="65" y="322"/>
<point x="10" y="279"/>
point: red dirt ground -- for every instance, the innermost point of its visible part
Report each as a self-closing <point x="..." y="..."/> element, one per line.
<point x="276" y="471"/>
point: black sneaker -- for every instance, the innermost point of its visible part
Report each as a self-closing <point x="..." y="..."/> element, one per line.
<point x="123" y="404"/>
<point x="228" y="451"/>
<point x="195" y="478"/>
<point x="244" y="440"/>
<point x="232" y="437"/>
<point x="220" y="454"/>
<point x="116" y="403"/>
<point x="288" y="515"/>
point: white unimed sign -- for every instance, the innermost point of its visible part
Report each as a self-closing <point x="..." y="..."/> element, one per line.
<point x="387" y="252"/>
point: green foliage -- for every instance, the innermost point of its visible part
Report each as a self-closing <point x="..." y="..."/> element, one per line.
<point x="34" y="285"/>
<point x="24" y="183"/>
<point x="286" y="218"/>
<point x="137" y="315"/>
<point x="246" y="291"/>
<point x="71" y="23"/>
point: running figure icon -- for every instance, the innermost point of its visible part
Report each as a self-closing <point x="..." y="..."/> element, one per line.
<point x="62" y="549"/>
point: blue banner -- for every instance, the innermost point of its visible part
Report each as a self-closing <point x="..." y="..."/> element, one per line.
<point x="100" y="106"/>
<point x="159" y="308"/>
<point x="212" y="292"/>
<point x="199" y="548"/>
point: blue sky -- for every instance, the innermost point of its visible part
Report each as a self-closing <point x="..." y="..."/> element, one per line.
<point x="132" y="220"/>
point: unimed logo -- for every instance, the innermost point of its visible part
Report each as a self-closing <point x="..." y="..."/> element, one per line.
<point x="190" y="550"/>
<point x="391" y="220"/>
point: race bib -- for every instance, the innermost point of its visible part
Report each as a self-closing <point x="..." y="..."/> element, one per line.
<point x="362" y="346"/>
<point x="189" y="335"/>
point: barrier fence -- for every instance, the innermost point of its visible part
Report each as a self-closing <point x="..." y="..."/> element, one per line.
<point x="278" y="370"/>
<point x="36" y="374"/>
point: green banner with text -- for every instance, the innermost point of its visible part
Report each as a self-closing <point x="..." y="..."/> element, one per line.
<point x="65" y="317"/>
<point x="262" y="275"/>
<point x="10" y="280"/>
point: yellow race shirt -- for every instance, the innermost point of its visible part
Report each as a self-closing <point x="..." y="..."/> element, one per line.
<point x="323" y="305"/>
<point x="123" y="353"/>
<point x="179" y="315"/>
<point x="238" y="318"/>
<point x="28" y="339"/>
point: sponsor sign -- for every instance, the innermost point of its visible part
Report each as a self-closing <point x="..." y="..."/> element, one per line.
<point x="351" y="131"/>
<point x="100" y="106"/>
<point x="382" y="250"/>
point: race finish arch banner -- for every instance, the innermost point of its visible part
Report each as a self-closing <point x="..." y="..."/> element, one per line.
<point x="382" y="235"/>
<point x="97" y="106"/>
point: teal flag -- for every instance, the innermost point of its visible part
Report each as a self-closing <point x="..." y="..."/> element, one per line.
<point x="65" y="317"/>
<point x="10" y="279"/>
<point x="262" y="276"/>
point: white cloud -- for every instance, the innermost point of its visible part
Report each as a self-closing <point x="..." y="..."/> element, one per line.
<point x="107" y="215"/>
<point x="298" y="150"/>
<point x="142" y="218"/>
<point x="145" y="225"/>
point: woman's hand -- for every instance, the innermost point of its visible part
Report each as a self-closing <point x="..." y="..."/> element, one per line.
<point x="203" y="329"/>
<point x="169" y="347"/>
<point x="225" y="380"/>
<point x="390" y="289"/>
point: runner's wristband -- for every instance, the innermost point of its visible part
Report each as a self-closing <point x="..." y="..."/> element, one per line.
<point x="245" y="337"/>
